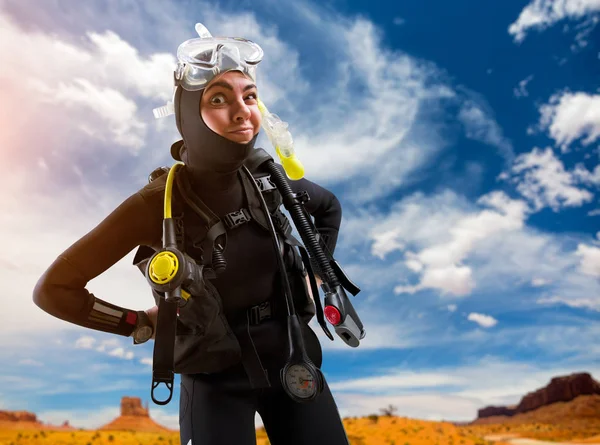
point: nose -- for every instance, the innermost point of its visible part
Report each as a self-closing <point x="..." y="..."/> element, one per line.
<point x="241" y="112"/>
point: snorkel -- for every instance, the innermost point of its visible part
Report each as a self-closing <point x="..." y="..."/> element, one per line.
<point x="279" y="135"/>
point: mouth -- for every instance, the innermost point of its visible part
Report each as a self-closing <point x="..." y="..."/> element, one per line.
<point x="242" y="131"/>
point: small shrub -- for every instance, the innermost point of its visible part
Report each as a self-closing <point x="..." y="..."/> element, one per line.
<point x="389" y="410"/>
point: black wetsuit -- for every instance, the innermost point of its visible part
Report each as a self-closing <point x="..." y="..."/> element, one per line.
<point x="216" y="408"/>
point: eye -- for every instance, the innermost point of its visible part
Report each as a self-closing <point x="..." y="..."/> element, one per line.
<point x="217" y="99"/>
<point x="251" y="96"/>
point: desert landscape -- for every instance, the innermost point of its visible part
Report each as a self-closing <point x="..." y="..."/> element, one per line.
<point x="567" y="410"/>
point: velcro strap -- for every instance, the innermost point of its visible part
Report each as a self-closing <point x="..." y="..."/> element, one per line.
<point x="237" y="218"/>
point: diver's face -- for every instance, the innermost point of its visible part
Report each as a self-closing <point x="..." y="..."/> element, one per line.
<point x="229" y="107"/>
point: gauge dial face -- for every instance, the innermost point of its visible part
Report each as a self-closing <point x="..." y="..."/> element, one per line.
<point x="300" y="381"/>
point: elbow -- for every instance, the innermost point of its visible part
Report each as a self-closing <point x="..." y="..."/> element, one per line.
<point x="335" y="209"/>
<point x="42" y="295"/>
<point x="53" y="297"/>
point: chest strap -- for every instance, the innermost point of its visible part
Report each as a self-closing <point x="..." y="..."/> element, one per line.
<point x="237" y="218"/>
<point x="242" y="216"/>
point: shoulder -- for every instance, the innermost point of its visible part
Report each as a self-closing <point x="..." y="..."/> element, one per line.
<point x="153" y="193"/>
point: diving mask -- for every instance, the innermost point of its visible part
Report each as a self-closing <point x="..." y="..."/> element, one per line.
<point x="202" y="59"/>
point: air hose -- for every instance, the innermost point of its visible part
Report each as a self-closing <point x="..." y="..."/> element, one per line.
<point x="338" y="308"/>
<point x="166" y="272"/>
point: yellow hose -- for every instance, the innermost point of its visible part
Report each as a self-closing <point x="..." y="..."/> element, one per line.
<point x="169" y="189"/>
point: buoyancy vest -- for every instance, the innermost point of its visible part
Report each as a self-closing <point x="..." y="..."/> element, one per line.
<point x="205" y="342"/>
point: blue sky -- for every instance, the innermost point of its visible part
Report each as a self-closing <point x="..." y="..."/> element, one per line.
<point x="461" y="139"/>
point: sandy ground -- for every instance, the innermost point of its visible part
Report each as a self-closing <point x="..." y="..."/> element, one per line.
<point x="514" y="439"/>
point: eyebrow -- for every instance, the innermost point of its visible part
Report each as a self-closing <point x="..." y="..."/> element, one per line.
<point x="222" y="83"/>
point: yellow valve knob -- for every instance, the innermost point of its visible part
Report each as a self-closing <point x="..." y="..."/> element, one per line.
<point x="163" y="267"/>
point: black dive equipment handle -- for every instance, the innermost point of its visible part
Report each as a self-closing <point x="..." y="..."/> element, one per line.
<point x="298" y="359"/>
<point x="338" y="308"/>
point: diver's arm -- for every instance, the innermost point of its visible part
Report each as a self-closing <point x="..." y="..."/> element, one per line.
<point x="61" y="290"/>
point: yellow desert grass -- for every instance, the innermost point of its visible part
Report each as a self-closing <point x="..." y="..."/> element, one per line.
<point x="373" y="430"/>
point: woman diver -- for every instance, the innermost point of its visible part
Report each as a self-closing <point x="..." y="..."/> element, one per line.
<point x="218" y="115"/>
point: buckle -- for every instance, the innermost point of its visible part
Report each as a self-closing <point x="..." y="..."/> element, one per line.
<point x="281" y="221"/>
<point x="259" y="312"/>
<point x="236" y="218"/>
<point x="264" y="183"/>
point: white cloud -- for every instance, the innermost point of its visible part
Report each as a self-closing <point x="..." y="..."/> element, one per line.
<point x="165" y="418"/>
<point x="117" y="113"/>
<point x="111" y="346"/>
<point x="400" y="380"/>
<point x="589" y="259"/>
<point x="146" y="361"/>
<point x="482" y="320"/>
<point x="480" y="126"/>
<point x="96" y="79"/>
<point x="521" y="90"/>
<point x="81" y="418"/>
<point x="540" y="14"/>
<point x="587" y="177"/>
<point x="583" y="32"/>
<point x="538" y="282"/>
<point x="490" y="241"/>
<point x="85" y="342"/>
<point x="453" y="393"/>
<point x="570" y="116"/>
<point x="592" y="303"/>
<point x="108" y="343"/>
<point x="121" y="353"/>
<point x="440" y="263"/>
<point x="545" y="182"/>
<point x="451" y="307"/>
<point x="30" y="362"/>
<point x="385" y="242"/>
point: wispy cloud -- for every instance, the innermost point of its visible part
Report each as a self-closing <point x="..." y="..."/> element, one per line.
<point x="481" y="126"/>
<point x="446" y="393"/>
<point x="592" y="303"/>
<point x="540" y="14"/>
<point x="521" y="90"/>
<point x="541" y="177"/>
<point x="111" y="347"/>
